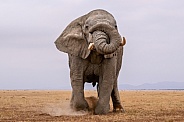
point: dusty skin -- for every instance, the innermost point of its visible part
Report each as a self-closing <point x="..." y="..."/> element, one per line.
<point x="139" y="106"/>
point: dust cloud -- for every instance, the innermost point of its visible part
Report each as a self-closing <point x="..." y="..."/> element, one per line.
<point x="59" y="109"/>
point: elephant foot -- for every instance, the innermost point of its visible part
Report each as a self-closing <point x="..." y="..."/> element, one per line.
<point x="79" y="105"/>
<point x="118" y="108"/>
<point x="102" y="109"/>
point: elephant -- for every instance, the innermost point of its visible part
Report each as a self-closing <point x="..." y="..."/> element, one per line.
<point x="95" y="51"/>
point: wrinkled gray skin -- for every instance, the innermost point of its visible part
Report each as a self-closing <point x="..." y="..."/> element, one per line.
<point x="98" y="66"/>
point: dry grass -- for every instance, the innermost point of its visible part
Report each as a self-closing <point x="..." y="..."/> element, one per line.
<point x="140" y="106"/>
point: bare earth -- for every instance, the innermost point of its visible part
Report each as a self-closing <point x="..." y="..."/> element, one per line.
<point x="139" y="106"/>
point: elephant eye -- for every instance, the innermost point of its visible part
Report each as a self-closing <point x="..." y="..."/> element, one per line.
<point x="86" y="27"/>
<point x="116" y="26"/>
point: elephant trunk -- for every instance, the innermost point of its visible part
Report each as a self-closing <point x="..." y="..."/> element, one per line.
<point x="106" y="39"/>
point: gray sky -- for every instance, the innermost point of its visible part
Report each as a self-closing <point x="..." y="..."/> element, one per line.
<point x="29" y="60"/>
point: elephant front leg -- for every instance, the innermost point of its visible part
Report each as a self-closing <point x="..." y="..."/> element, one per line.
<point x="78" y="102"/>
<point x="76" y="75"/>
<point x="106" y="82"/>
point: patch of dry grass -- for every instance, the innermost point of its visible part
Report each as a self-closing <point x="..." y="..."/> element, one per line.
<point x="54" y="106"/>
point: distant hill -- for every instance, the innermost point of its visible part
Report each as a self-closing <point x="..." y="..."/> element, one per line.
<point x="166" y="85"/>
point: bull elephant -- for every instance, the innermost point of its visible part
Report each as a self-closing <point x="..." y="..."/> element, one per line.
<point x="95" y="50"/>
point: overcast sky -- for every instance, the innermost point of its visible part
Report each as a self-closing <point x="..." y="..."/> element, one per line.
<point x="29" y="59"/>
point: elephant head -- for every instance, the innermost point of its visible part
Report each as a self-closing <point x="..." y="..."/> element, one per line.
<point x="96" y="30"/>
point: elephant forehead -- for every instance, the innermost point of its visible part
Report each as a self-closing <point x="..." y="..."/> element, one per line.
<point x="100" y="12"/>
<point x="100" y="18"/>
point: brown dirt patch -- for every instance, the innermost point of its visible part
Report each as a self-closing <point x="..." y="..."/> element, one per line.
<point x="54" y="106"/>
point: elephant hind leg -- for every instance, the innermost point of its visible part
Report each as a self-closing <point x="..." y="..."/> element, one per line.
<point x="118" y="107"/>
<point x="116" y="101"/>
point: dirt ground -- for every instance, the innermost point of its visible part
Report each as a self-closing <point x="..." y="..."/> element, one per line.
<point x="140" y="106"/>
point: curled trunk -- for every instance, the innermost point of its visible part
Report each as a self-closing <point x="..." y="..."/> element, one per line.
<point x="106" y="39"/>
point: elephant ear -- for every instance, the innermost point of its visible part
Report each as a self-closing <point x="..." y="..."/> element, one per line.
<point x="72" y="40"/>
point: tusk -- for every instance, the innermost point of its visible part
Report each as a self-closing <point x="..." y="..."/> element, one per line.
<point x="91" y="46"/>
<point x="123" y="42"/>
